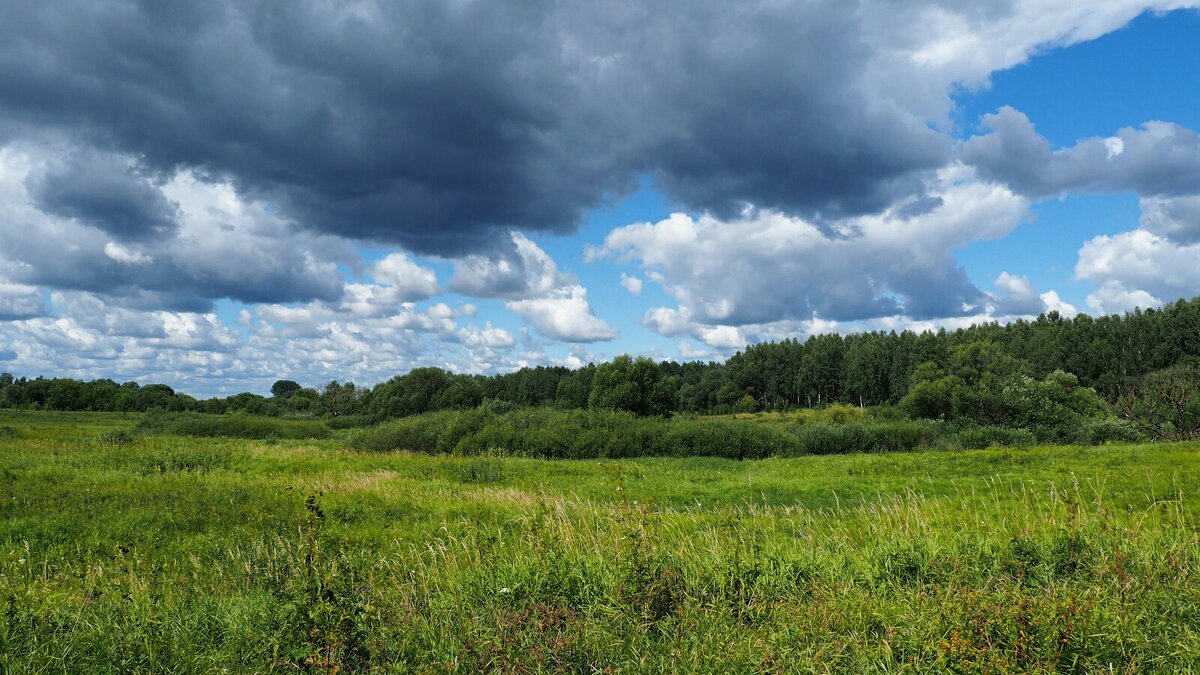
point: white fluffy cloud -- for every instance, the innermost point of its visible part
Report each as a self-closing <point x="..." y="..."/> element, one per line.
<point x="410" y="280"/>
<point x="767" y="267"/>
<point x="563" y="314"/>
<point x="18" y="301"/>
<point x="523" y="271"/>
<point x="534" y="288"/>
<point x="1137" y="269"/>
<point x="632" y="284"/>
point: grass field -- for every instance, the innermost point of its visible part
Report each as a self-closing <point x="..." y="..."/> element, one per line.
<point x="127" y="553"/>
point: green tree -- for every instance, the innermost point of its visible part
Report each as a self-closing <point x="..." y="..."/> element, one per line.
<point x="633" y="385"/>
<point x="1165" y="403"/>
<point x="282" y="388"/>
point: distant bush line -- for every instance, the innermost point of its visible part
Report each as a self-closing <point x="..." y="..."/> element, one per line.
<point x="590" y="434"/>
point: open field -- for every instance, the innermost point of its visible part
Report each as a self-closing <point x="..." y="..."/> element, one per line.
<point x="163" y="554"/>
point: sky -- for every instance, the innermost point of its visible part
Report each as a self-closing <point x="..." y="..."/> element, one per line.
<point x="218" y="195"/>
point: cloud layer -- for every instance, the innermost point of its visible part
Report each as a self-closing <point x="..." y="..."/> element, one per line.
<point x="159" y="159"/>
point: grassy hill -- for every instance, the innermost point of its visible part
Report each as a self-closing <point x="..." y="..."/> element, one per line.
<point x="128" y="553"/>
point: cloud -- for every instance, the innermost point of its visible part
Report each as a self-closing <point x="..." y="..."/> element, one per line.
<point x="219" y="246"/>
<point x="1173" y="218"/>
<point x="440" y="127"/>
<point x="82" y="335"/>
<point x="398" y="279"/>
<point x="488" y="337"/>
<point x="1113" y="298"/>
<point x="563" y="314"/>
<point x="533" y="287"/>
<point x="20" y="302"/>
<point x="766" y="266"/>
<point x="410" y="280"/>
<point x="523" y="270"/>
<point x="1018" y="298"/>
<point x="1160" y="162"/>
<point x="158" y="157"/>
<point x="631" y="284"/>
<point x="1137" y="269"/>
<point x="106" y="192"/>
<point x="1160" y="158"/>
<point x="1054" y="303"/>
<point x="124" y="255"/>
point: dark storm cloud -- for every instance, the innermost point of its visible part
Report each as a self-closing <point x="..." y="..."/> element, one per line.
<point x="1160" y="159"/>
<point x="440" y="125"/>
<point x="183" y="273"/>
<point x="104" y="192"/>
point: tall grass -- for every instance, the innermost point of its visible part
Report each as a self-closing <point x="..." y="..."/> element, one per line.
<point x="240" y="556"/>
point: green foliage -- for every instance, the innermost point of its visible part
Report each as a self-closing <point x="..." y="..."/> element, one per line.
<point x="1165" y="404"/>
<point x="990" y="389"/>
<point x="1099" y="432"/>
<point x="231" y="426"/>
<point x="348" y="422"/>
<point x="837" y="439"/>
<point x="284" y="387"/>
<point x="181" y="460"/>
<point x="632" y="385"/>
<point x="117" y="438"/>
<point x="575" y="434"/>
<point x="995" y="437"/>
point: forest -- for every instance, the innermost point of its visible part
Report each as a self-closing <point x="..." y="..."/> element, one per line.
<point x="1027" y="374"/>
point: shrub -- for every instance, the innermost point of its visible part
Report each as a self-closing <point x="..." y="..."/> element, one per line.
<point x="827" y="439"/>
<point x="1165" y="403"/>
<point x="418" y="433"/>
<point x="988" y="437"/>
<point x="575" y="434"/>
<point x="1099" y="432"/>
<point x="907" y="436"/>
<point x="349" y="422"/>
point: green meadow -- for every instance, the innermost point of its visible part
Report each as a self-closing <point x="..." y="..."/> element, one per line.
<point x="127" y="552"/>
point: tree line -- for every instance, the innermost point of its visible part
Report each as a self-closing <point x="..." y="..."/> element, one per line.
<point x="957" y="373"/>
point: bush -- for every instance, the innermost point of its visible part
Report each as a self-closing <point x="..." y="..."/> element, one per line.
<point x="1099" y="432"/>
<point x="575" y="434"/>
<point x="232" y="426"/>
<point x="349" y="422"/>
<point x="907" y="436"/>
<point x="840" y="439"/>
<point x="418" y="433"/>
<point x="722" y="438"/>
<point x="588" y="434"/>
<point x="976" y="438"/>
